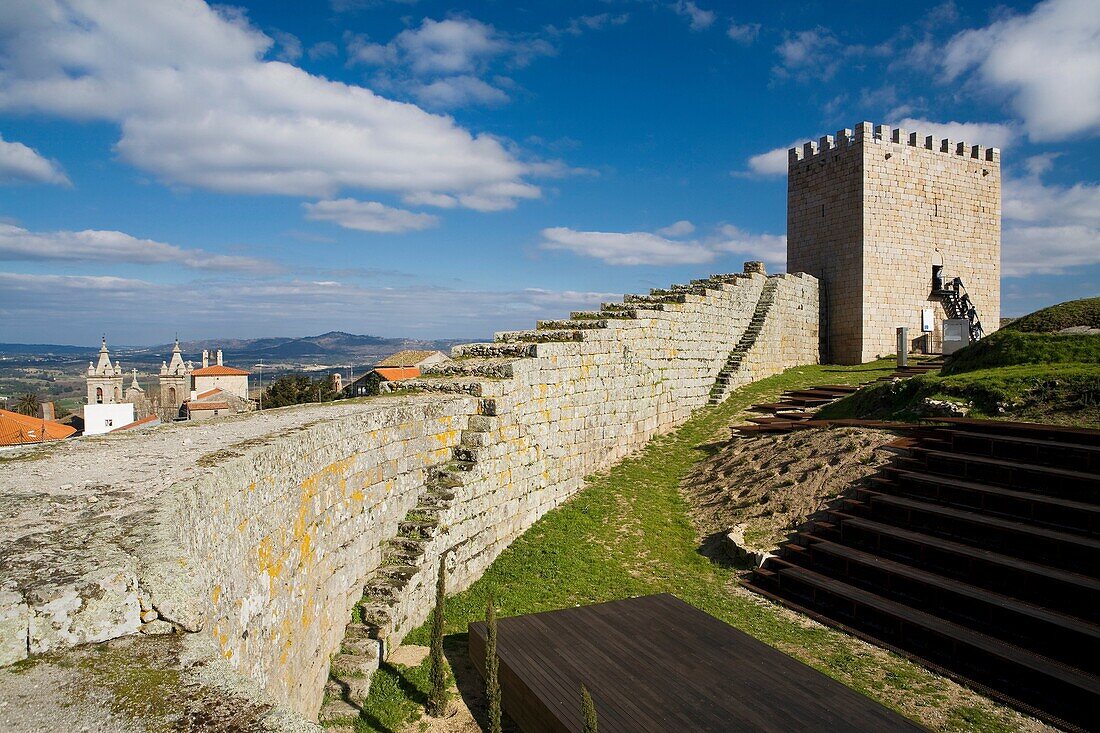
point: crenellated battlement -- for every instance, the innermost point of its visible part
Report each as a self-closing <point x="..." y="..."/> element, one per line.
<point x="831" y="145"/>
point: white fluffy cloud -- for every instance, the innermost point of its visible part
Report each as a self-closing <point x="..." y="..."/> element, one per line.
<point x="771" y="248"/>
<point x="626" y="248"/>
<point x="666" y="246"/>
<point x="1046" y="62"/>
<point x="1048" y="229"/>
<point x="440" y="63"/>
<point x="1031" y="201"/>
<point x="681" y="228"/>
<point x="369" y="216"/>
<point x="699" y="18"/>
<point x="22" y="164"/>
<point x="577" y="26"/>
<point x="1048" y="250"/>
<point x="458" y="91"/>
<point x="92" y="245"/>
<point x="990" y="134"/>
<point x="198" y="105"/>
<point x="769" y="163"/>
<point x="743" y="33"/>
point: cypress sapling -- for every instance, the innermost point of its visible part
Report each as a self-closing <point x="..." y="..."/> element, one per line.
<point x="437" y="695"/>
<point x="492" y="681"/>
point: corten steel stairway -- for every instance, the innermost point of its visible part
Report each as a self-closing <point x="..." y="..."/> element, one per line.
<point x="976" y="553"/>
<point x="957" y="303"/>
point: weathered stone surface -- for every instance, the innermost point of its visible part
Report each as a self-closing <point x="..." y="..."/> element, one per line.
<point x="15" y="618"/>
<point x="931" y="407"/>
<point x="261" y="533"/>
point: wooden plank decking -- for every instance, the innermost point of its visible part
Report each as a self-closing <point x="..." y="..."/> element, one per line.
<point x="656" y="663"/>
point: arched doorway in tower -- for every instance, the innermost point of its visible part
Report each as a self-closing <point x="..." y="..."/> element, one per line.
<point x="172" y="396"/>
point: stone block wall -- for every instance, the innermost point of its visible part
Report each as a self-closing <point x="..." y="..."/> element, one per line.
<point x="573" y="407"/>
<point x="871" y="211"/>
<point x="268" y="551"/>
<point x="266" y="544"/>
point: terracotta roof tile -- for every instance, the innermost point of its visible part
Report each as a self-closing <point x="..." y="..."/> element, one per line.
<point x="192" y="406"/>
<point x="147" y="420"/>
<point x="17" y="429"/>
<point x="218" y="370"/>
<point x="394" y="374"/>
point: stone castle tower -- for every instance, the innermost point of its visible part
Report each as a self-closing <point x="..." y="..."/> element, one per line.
<point x="104" y="379"/>
<point x="872" y="212"/>
<point x="175" y="380"/>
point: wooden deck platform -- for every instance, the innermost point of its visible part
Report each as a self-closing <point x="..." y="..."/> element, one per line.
<point x="656" y="663"/>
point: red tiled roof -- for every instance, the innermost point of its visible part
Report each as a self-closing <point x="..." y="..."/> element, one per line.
<point x="394" y="374"/>
<point x="218" y="370"/>
<point x="16" y="429"/>
<point x="208" y="393"/>
<point x="147" y="420"/>
<point x="192" y="406"/>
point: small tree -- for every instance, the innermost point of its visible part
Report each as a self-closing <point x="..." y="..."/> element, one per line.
<point x="588" y="709"/>
<point x="492" y="664"/>
<point x="28" y="404"/>
<point x="437" y="695"/>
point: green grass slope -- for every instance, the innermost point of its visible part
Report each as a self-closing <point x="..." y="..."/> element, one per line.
<point x="629" y="533"/>
<point x="1016" y="373"/>
<point x="1084" y="312"/>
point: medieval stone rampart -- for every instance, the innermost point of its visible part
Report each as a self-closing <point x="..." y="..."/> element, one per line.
<point x="268" y="544"/>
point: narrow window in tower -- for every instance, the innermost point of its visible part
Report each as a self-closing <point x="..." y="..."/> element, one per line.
<point x="823" y="211"/>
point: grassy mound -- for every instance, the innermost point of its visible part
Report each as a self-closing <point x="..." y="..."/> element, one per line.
<point x="1013" y="348"/>
<point x="1063" y="394"/>
<point x="1022" y="372"/>
<point x="1084" y="312"/>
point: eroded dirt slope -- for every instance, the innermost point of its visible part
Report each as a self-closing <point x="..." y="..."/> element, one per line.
<point x="761" y="488"/>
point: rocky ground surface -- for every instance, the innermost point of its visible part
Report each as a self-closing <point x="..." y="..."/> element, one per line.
<point x="136" y="684"/>
<point x="75" y="516"/>
<point x="758" y="489"/>
<point x="78" y="520"/>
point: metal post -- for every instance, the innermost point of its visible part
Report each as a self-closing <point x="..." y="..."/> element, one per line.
<point x="903" y="347"/>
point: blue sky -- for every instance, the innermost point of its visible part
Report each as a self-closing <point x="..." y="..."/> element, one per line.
<point x="421" y="169"/>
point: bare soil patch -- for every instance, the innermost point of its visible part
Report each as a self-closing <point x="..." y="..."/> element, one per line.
<point x="762" y="488"/>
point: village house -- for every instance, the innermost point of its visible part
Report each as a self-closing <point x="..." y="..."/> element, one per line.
<point x="402" y="365"/>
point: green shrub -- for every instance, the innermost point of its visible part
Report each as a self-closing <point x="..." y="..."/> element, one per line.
<point x="588" y="710"/>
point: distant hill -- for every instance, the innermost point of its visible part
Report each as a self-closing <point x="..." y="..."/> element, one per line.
<point x="331" y="347"/>
<point x="45" y="349"/>
<point x="328" y="348"/>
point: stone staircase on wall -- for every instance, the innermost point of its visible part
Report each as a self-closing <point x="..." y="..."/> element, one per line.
<point x="398" y="594"/>
<point x="406" y="578"/>
<point x="723" y="385"/>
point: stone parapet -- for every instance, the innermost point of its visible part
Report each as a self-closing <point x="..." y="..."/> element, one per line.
<point x="265" y="534"/>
